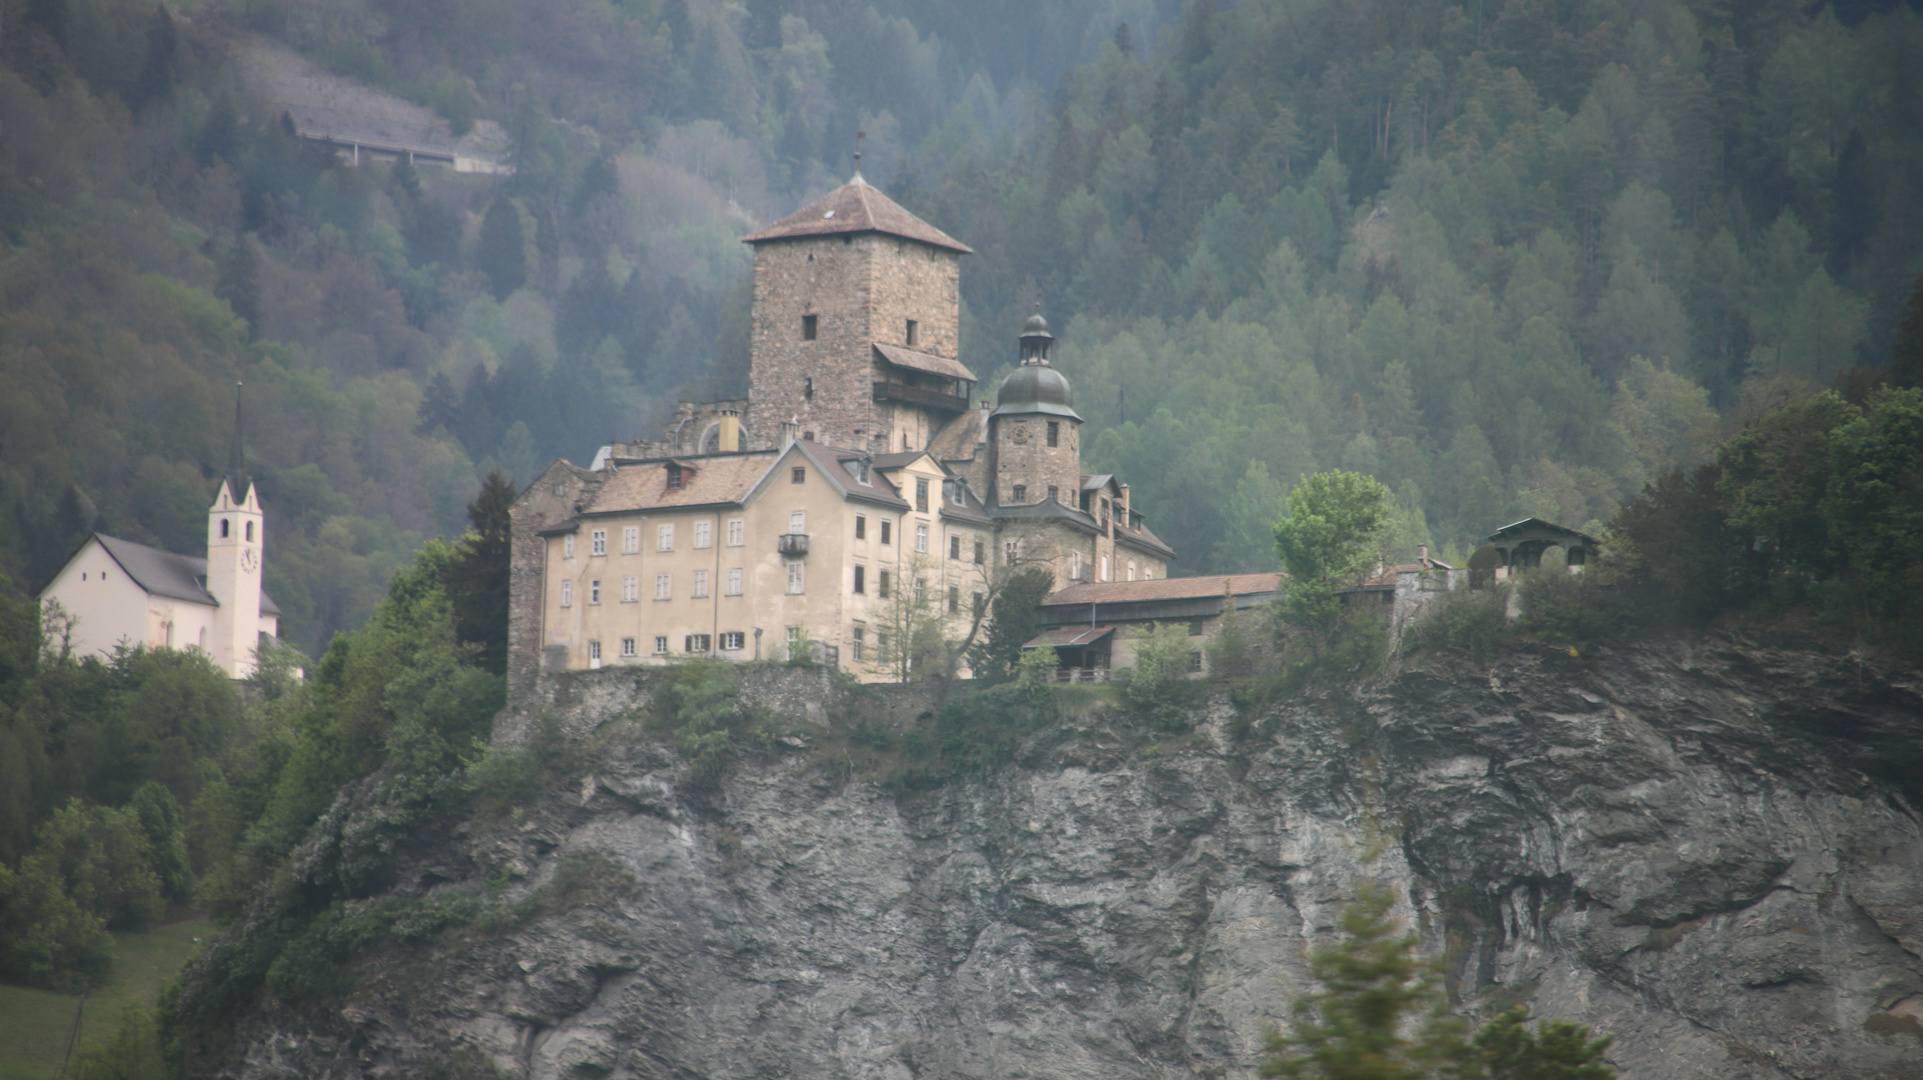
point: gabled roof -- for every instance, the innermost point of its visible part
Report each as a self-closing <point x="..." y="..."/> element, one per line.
<point x="855" y="207"/>
<point x="1538" y="528"/>
<point x="163" y="573"/>
<point x="1182" y="588"/>
<point x="916" y="360"/>
<point x="828" y="460"/>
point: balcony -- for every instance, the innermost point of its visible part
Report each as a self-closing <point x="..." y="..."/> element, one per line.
<point x="915" y="395"/>
<point x="794" y="544"/>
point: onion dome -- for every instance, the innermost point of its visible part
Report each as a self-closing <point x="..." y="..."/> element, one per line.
<point x="1035" y="386"/>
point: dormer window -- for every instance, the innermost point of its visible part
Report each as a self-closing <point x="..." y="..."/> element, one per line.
<point x="909" y="335"/>
<point x="674" y="475"/>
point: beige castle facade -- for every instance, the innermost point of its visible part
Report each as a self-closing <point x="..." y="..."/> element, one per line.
<point x="859" y="495"/>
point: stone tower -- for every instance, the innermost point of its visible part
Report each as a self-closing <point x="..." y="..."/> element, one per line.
<point x="235" y="539"/>
<point x="855" y="325"/>
<point x="1034" y="429"/>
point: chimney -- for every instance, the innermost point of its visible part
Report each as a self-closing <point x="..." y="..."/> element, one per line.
<point x="1128" y="520"/>
<point x="788" y="431"/>
<point x="730" y="441"/>
<point x="1422" y="555"/>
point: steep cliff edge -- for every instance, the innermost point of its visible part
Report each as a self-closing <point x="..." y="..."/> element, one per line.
<point x="1711" y="850"/>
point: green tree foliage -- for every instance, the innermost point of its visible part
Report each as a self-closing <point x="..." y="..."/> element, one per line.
<point x="1325" y="541"/>
<point x="1379" y="1013"/>
<point x="1816" y="502"/>
<point x="1015" y="618"/>
<point x="134" y="1051"/>
<point x="1157" y="683"/>
<point x="46" y="938"/>
<point x="501" y="250"/>
<point x="477" y="573"/>
<point x="1906" y="352"/>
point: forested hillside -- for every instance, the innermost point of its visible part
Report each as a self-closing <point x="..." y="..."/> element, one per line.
<point x="163" y="235"/>
<point x="1508" y="257"/>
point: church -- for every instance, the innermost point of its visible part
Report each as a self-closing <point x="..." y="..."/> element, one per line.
<point x="118" y="593"/>
<point x="859" y="488"/>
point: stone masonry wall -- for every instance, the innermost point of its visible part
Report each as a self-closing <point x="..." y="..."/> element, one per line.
<point x="1023" y="456"/>
<point x="861" y="288"/>
<point x="551" y="498"/>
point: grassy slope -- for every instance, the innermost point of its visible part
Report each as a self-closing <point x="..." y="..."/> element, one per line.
<point x="35" y="1024"/>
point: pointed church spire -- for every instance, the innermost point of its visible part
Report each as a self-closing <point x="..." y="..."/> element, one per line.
<point x="237" y="481"/>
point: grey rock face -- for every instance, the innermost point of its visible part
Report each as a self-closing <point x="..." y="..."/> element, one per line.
<point x="1711" y="852"/>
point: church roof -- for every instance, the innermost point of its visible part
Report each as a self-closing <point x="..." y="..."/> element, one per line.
<point x="916" y="360"/>
<point x="163" y="573"/>
<point x="855" y="207"/>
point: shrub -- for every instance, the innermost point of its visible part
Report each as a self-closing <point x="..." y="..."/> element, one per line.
<point x="1473" y="623"/>
<point x="1157" y="686"/>
<point x="1575" y="609"/>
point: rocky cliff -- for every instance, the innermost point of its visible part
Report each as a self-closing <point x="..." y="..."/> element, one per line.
<point x="1710" y="850"/>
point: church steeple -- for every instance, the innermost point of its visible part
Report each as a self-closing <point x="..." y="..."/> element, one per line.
<point x="237" y="479"/>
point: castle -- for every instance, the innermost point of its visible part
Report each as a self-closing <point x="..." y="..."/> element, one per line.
<point x="118" y="593"/>
<point x="858" y="496"/>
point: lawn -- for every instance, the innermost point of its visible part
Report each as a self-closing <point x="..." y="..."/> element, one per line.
<point x="35" y="1024"/>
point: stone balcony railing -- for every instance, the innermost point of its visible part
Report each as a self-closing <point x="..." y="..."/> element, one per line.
<point x="794" y="544"/>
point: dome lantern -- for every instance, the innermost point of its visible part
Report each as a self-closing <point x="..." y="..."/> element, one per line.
<point x="1036" y="340"/>
<point x="1035" y="386"/>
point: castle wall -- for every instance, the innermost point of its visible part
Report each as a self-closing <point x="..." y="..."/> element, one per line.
<point x="1023" y="456"/>
<point x="860" y="288"/>
<point x="551" y="498"/>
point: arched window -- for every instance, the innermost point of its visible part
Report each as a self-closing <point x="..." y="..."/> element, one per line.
<point x="223" y="528"/>
<point x="250" y="530"/>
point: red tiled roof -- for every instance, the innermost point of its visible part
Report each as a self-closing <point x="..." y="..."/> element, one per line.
<point x="705" y="482"/>
<point x="1184" y="588"/>
<point x="855" y="207"/>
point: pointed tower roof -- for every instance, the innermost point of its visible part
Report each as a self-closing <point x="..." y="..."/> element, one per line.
<point x="855" y="207"/>
<point x="237" y="479"/>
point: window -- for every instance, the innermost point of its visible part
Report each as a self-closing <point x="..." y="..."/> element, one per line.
<point x="1074" y="566"/>
<point x="798" y="475"/>
<point x="1104" y="568"/>
<point x="594" y="591"/>
<point x="225" y="525"/>
<point x="1054" y="433"/>
<point x="696" y="643"/>
<point x="981" y="605"/>
<point x="631" y="540"/>
<point x="794" y="635"/>
<point x="908" y="336"/>
<point x="881" y="584"/>
<point x="881" y="642"/>
<point x="559" y="490"/>
<point x="1131" y="569"/>
<point x="733" y="641"/>
<point x="567" y="547"/>
<point x="861" y="526"/>
<point x="664" y="538"/>
<point x="663" y="586"/>
<point x="1198" y="627"/>
<point x="627" y="647"/>
<point x="1021" y="493"/>
<point x="861" y="579"/>
<point x="1054" y="493"/>
<point x="808" y="327"/>
<point x="567" y="594"/>
<point x="921" y="591"/>
<point x="661" y="645"/>
<point x="887" y="530"/>
<point x="734" y="583"/>
<point x="921" y="538"/>
<point x="855" y="642"/>
<point x="954" y="547"/>
<point x="954" y="599"/>
<point x="980" y="551"/>
<point x="1012" y="552"/>
<point x="1195" y="661"/>
<point x="736" y="532"/>
<point x="703" y="534"/>
<point x="795" y="581"/>
<point x="250" y="530"/>
<point x="630" y="589"/>
<point x="700" y="583"/>
<point x="921" y="496"/>
<point x="598" y="542"/>
<point x="797" y="521"/>
<point x="594" y="651"/>
<point x="674" y="475"/>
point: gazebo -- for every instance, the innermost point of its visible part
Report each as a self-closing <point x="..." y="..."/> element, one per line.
<point x="1522" y="543"/>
